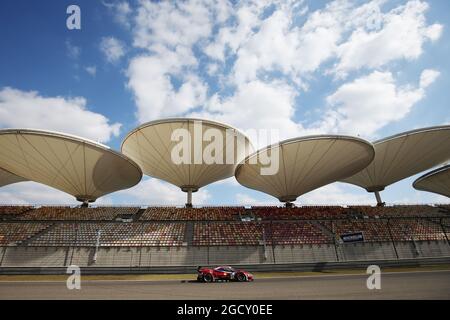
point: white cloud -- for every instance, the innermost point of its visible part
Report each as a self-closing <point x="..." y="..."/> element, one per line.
<point x="73" y="51"/>
<point x="230" y="182"/>
<point x="277" y="43"/>
<point x="166" y="82"/>
<point x="246" y="200"/>
<point x="92" y="70"/>
<point x="155" y="94"/>
<point x="171" y="24"/>
<point x="156" y="192"/>
<point x="421" y="197"/>
<point x="163" y="80"/>
<point x="280" y="45"/>
<point x="332" y="194"/>
<point x="231" y="37"/>
<point x="256" y="105"/>
<point x="434" y="32"/>
<point x="365" y="105"/>
<point x="335" y="194"/>
<point x="121" y="11"/>
<point x="427" y="77"/>
<point x="401" y="35"/>
<point x="31" y="193"/>
<point x="212" y="69"/>
<point x="28" y="109"/>
<point x="112" y="48"/>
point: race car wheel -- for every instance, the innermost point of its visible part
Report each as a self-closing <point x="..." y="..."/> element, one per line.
<point x="241" y="277"/>
<point x="208" y="278"/>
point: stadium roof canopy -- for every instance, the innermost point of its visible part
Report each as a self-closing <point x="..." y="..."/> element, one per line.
<point x="7" y="177"/>
<point x="83" y="168"/>
<point x="155" y="146"/>
<point x="305" y="164"/>
<point x="436" y="181"/>
<point x="403" y="155"/>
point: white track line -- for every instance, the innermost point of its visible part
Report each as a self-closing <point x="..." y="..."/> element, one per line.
<point x="192" y="279"/>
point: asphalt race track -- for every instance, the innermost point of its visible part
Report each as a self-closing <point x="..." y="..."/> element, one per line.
<point x="397" y="285"/>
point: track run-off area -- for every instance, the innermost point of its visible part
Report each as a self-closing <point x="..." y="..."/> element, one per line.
<point x="430" y="283"/>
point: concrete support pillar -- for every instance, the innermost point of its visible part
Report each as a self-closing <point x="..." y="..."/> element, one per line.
<point x="378" y="197"/>
<point x="189" y="199"/>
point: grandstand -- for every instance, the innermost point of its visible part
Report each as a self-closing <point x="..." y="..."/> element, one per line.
<point x="60" y="236"/>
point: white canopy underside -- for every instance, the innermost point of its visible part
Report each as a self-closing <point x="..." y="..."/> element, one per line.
<point x="404" y="155"/>
<point x="436" y="181"/>
<point x="306" y="164"/>
<point x="151" y="146"/>
<point x="76" y="166"/>
<point x="7" y="177"/>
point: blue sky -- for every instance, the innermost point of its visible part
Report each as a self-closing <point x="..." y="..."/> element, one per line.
<point x="367" y="68"/>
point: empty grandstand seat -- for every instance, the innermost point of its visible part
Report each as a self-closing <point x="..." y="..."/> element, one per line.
<point x="416" y="229"/>
<point x="198" y="214"/>
<point x="166" y="226"/>
<point x="13" y="210"/>
<point x="372" y="229"/>
<point x="112" y="234"/>
<point x="227" y="233"/>
<point x="12" y="233"/>
<point x="307" y="212"/>
<point x="75" y="214"/>
<point x="298" y="232"/>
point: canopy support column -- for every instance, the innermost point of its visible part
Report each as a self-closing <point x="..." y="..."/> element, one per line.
<point x="378" y="197"/>
<point x="189" y="199"/>
<point x="189" y="189"/>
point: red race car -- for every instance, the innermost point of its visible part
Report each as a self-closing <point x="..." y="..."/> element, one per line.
<point x="224" y="273"/>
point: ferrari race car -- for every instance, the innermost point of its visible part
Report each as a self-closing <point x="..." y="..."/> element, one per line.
<point x="223" y="273"/>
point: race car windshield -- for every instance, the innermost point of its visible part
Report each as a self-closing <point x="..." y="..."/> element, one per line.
<point x="229" y="269"/>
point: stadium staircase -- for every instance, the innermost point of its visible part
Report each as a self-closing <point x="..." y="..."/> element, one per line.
<point x="330" y="234"/>
<point x="37" y="235"/>
<point x="189" y="233"/>
<point x="138" y="215"/>
<point x="443" y="226"/>
<point x="323" y="228"/>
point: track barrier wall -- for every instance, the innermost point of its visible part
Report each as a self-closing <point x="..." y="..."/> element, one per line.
<point x="180" y="258"/>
